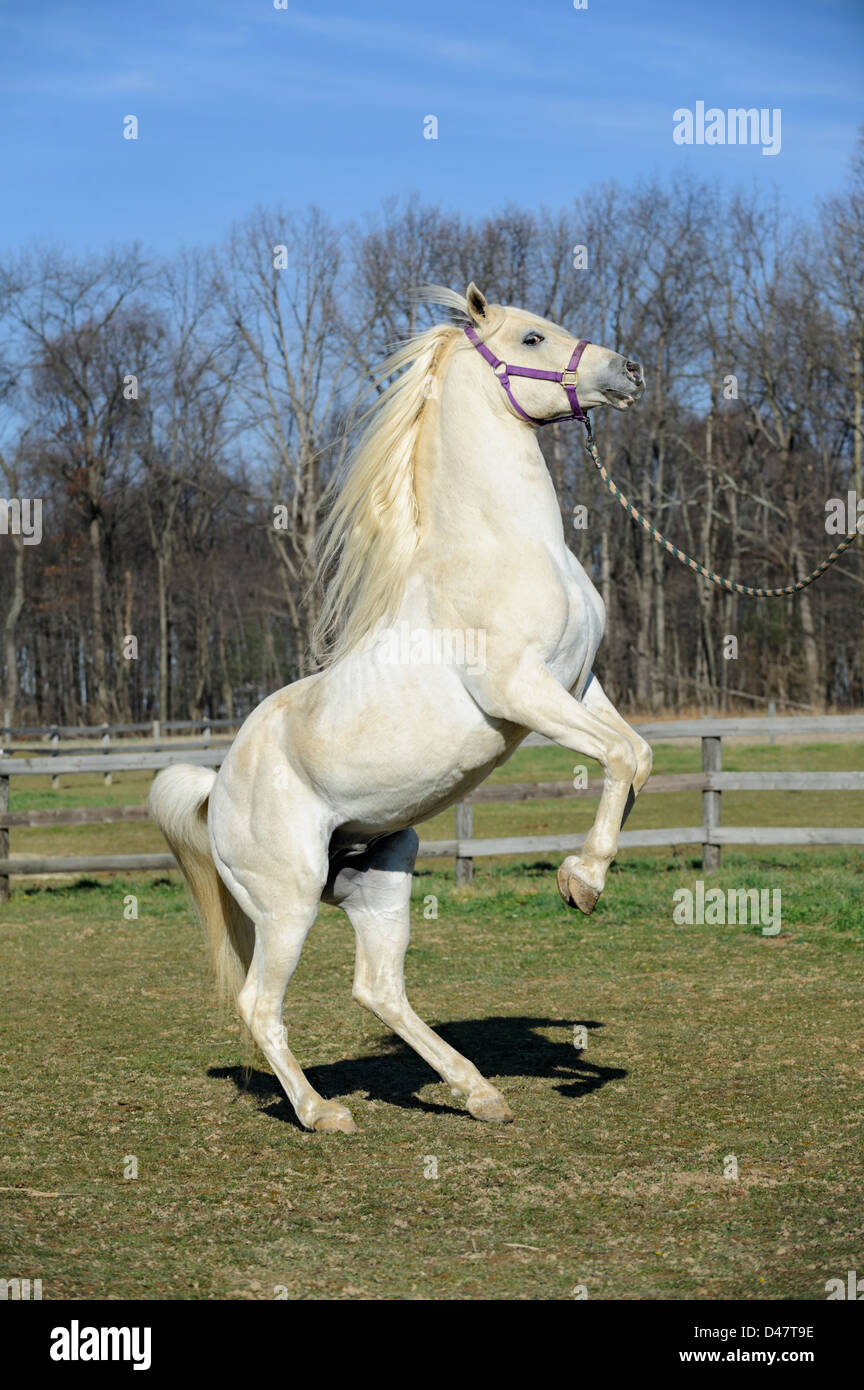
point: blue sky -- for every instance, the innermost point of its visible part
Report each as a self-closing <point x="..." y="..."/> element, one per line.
<point x="240" y="104"/>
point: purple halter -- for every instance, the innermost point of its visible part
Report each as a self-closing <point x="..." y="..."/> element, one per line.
<point x="568" y="379"/>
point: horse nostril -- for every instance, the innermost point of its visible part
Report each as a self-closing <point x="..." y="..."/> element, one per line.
<point x="633" y="368"/>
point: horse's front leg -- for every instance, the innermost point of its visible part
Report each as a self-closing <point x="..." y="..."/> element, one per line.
<point x="533" y="698"/>
<point x="595" y="698"/>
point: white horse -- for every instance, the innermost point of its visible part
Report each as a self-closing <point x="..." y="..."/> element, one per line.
<point x="447" y="523"/>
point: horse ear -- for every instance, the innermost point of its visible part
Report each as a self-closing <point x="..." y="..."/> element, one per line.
<point x="477" y="306"/>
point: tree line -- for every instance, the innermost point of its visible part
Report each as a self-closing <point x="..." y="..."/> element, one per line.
<point x="181" y="420"/>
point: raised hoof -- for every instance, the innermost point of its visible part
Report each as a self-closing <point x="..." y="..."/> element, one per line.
<point x="576" y="892"/>
<point x="493" y="1108"/>
<point x="336" y="1119"/>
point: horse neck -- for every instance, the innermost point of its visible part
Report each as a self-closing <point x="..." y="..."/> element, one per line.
<point x="480" y="469"/>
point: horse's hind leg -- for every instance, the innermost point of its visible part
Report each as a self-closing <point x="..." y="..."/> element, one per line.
<point x="374" y="891"/>
<point x="283" y="907"/>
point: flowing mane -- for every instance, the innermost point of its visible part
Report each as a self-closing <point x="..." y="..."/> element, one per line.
<point x="371" y="532"/>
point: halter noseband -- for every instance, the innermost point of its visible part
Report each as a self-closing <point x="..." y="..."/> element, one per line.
<point x="568" y="379"/>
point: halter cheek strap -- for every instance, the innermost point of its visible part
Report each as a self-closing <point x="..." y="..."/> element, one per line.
<point x="568" y="379"/>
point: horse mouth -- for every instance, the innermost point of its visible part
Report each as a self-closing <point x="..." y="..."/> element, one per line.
<point x="622" y="400"/>
<point x="622" y="396"/>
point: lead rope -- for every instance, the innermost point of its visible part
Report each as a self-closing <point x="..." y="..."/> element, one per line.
<point x="688" y="560"/>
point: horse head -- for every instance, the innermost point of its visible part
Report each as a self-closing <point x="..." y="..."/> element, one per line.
<point x="546" y="358"/>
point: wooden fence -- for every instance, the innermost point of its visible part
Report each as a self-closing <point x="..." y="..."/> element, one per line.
<point x="712" y="781"/>
<point x="149" y="726"/>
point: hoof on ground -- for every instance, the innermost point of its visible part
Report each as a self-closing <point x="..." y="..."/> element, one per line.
<point x="494" y="1108"/>
<point x="575" y="891"/>
<point x="335" y="1119"/>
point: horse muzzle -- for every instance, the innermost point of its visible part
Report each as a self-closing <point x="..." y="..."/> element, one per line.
<point x="624" y="383"/>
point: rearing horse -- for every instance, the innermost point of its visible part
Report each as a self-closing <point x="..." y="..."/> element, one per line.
<point x="447" y="523"/>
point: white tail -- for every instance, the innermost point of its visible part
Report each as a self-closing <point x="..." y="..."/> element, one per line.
<point x="178" y="805"/>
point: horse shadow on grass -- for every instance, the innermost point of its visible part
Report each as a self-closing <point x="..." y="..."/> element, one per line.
<point x="499" y="1047"/>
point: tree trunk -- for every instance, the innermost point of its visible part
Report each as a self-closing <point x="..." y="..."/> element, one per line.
<point x="100" y="710"/>
<point x="812" y="666"/>
<point x="10" y="627"/>
<point x="857" y="654"/>
<point x="162" y="600"/>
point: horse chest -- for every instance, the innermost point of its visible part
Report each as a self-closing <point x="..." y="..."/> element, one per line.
<point x="576" y="641"/>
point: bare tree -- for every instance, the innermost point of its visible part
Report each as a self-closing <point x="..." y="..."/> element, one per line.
<point x="83" y="332"/>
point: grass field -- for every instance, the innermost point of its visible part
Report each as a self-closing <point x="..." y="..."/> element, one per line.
<point x="703" y="1042"/>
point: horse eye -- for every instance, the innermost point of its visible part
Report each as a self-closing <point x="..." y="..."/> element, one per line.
<point x="532" y="339"/>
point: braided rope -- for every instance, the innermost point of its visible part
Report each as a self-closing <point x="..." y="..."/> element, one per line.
<point x="719" y="579"/>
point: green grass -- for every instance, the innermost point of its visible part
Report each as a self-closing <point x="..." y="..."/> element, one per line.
<point x="703" y="1042"/>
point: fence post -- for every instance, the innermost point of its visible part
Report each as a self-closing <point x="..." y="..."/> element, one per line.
<point x="156" y="731"/>
<point x="55" y="749"/>
<point x="106" y="745"/>
<point x="712" y="761"/>
<point x="206" y="735"/>
<point x="464" y="831"/>
<point x="4" y="837"/>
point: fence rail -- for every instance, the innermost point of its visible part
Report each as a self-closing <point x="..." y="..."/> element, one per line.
<point x="711" y="782"/>
<point x="152" y="726"/>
